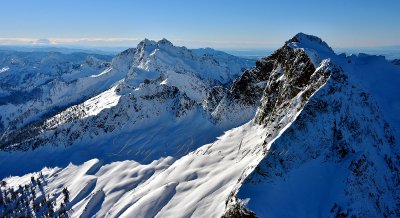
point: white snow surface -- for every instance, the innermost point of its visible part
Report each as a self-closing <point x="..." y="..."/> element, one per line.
<point x="192" y="186"/>
<point x="4" y="69"/>
<point x="107" y="99"/>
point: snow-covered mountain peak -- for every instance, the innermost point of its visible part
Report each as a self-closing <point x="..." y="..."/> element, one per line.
<point x="316" y="48"/>
<point x="164" y="42"/>
<point x="164" y="57"/>
<point x="149" y="46"/>
<point x="146" y="42"/>
<point x="322" y="120"/>
<point x="305" y="41"/>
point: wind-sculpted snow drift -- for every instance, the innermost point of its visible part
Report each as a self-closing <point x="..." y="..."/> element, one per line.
<point x="306" y="135"/>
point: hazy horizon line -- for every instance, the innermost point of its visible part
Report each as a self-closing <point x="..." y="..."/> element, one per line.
<point x="117" y="42"/>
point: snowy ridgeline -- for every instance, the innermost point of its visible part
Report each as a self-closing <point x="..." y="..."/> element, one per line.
<point x="36" y="86"/>
<point x="154" y="110"/>
<point x="320" y="138"/>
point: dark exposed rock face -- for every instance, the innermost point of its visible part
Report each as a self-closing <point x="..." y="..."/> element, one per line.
<point x="239" y="211"/>
<point x="293" y="76"/>
<point x="244" y="94"/>
<point x="249" y="87"/>
<point x="274" y="81"/>
<point x="214" y="97"/>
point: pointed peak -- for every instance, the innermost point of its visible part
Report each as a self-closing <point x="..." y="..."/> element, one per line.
<point x="164" y="41"/>
<point x="302" y="40"/>
<point x="147" y="42"/>
<point x="299" y="37"/>
<point x="149" y="45"/>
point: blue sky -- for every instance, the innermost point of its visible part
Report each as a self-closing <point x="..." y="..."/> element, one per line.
<point x="225" y="24"/>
